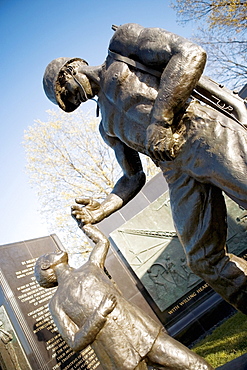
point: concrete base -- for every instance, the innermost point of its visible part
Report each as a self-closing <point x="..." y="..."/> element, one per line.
<point x="239" y="363"/>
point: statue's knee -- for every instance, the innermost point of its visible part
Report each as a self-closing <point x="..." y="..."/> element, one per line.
<point x="209" y="265"/>
<point x="198" y="266"/>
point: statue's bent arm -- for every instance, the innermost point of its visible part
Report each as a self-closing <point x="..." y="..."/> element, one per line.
<point x="126" y="188"/>
<point x="99" y="252"/>
<point x="178" y="79"/>
<point x="77" y="338"/>
<point x="133" y="179"/>
<point x="181" y="61"/>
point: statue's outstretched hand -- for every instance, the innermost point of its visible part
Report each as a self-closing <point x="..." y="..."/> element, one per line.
<point x="91" y="212"/>
<point x="107" y="304"/>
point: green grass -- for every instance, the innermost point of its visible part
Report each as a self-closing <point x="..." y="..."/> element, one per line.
<point x="226" y="342"/>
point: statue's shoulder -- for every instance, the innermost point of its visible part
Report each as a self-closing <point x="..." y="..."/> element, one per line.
<point x="128" y="30"/>
<point x="125" y="38"/>
<point x="150" y="46"/>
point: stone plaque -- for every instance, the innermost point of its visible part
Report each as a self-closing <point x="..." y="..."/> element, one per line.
<point x="29" y="338"/>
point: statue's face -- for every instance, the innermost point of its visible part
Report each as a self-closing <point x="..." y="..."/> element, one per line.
<point x="44" y="268"/>
<point x="77" y="85"/>
<point x="72" y="91"/>
<point x="53" y="259"/>
<point x="58" y="257"/>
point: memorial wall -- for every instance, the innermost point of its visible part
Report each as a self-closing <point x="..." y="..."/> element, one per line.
<point x="149" y="243"/>
<point x="29" y="338"/>
<point x="144" y="237"/>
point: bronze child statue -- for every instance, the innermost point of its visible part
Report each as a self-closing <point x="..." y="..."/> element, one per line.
<point x="88" y="308"/>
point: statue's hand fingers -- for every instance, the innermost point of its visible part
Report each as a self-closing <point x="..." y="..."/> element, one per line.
<point x="82" y="216"/>
<point x="83" y="201"/>
<point x="75" y="208"/>
<point x="89" y="203"/>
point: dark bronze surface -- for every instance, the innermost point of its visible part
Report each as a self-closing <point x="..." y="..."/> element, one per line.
<point x="200" y="150"/>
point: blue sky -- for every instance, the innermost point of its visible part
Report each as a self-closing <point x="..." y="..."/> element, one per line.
<point x="33" y="32"/>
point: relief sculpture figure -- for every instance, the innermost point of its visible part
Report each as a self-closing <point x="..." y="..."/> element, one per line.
<point x="145" y="92"/>
<point x="8" y="353"/>
<point x="88" y="308"/>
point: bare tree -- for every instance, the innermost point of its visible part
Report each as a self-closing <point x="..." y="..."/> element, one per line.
<point x="222" y="32"/>
<point x="217" y="13"/>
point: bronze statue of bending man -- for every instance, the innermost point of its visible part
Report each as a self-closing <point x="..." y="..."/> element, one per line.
<point x="88" y="308"/>
<point x="201" y="152"/>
